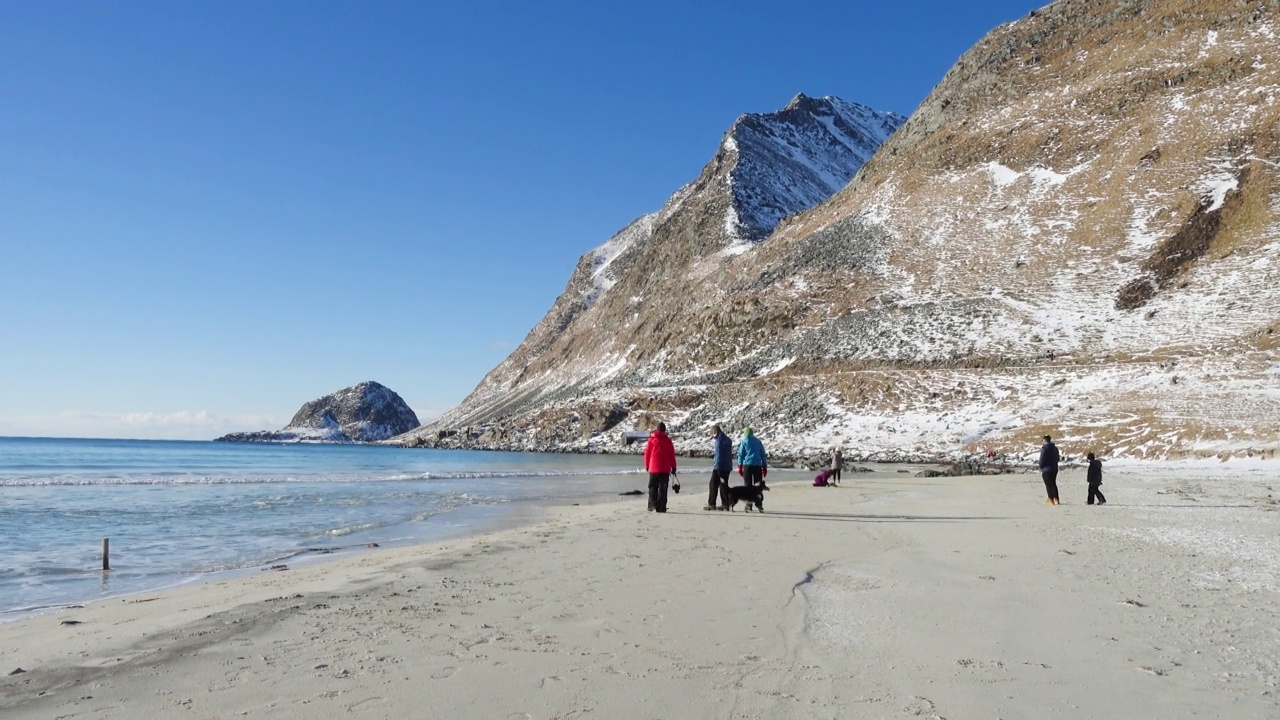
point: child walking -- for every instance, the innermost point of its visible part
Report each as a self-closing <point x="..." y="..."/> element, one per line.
<point x="1095" y="480"/>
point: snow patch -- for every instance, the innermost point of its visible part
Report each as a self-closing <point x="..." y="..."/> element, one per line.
<point x="602" y="257"/>
<point x="1214" y="189"/>
<point x="1045" y="177"/>
<point x="731" y="225"/>
<point x="1002" y="176"/>
<point x="775" y="367"/>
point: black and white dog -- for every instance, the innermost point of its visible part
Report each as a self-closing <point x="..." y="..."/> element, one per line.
<point x="751" y="495"/>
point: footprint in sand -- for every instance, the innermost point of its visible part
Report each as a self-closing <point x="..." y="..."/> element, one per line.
<point x="365" y="705"/>
<point x="543" y="684"/>
<point x="922" y="707"/>
<point x="852" y="580"/>
<point x="444" y="672"/>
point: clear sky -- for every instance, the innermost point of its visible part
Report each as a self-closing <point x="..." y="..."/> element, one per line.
<point x="213" y="212"/>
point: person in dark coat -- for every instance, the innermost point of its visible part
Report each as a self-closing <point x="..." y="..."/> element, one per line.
<point x="1095" y="481"/>
<point x="660" y="462"/>
<point x="1049" y="470"/>
<point x="721" y="464"/>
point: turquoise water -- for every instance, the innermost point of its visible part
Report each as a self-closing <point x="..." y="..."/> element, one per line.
<point x="176" y="511"/>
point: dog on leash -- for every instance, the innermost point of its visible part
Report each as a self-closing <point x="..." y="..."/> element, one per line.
<point x="749" y="494"/>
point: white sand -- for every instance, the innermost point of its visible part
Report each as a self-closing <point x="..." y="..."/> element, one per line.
<point x="889" y="597"/>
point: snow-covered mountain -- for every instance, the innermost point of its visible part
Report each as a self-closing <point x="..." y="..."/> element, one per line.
<point x="788" y="161"/>
<point x="366" y="412"/>
<point x="768" y="166"/>
<point x="1077" y="233"/>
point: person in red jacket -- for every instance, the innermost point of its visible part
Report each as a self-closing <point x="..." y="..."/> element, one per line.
<point x="660" y="462"/>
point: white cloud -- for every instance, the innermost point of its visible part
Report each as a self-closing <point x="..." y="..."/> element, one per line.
<point x="181" y="425"/>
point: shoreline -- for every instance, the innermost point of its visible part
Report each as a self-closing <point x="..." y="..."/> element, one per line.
<point x="300" y="558"/>
<point x="485" y="519"/>
<point x="180" y="512"/>
<point x="892" y="596"/>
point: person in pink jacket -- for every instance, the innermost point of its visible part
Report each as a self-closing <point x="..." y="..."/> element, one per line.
<point x="660" y="462"/>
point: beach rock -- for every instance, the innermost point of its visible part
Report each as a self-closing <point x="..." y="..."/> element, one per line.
<point x="968" y="467"/>
<point x="363" y="413"/>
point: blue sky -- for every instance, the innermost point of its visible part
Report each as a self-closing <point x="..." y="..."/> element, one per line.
<point x="212" y="212"/>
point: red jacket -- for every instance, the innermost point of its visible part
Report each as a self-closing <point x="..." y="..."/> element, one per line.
<point x="659" y="453"/>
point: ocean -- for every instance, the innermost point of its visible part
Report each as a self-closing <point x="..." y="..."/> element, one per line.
<point x="179" y="511"/>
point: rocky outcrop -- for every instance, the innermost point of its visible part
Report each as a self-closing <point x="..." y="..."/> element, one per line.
<point x="973" y="466"/>
<point x="367" y="412"/>
<point x="1077" y="233"/>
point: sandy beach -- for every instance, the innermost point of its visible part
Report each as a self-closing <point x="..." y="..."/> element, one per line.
<point x="889" y="597"/>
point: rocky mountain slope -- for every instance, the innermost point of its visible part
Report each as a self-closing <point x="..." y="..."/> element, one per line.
<point x="768" y="166"/>
<point x="1078" y="232"/>
<point x="367" y="412"/>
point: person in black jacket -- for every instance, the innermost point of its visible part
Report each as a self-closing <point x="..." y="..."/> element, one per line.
<point x="1049" y="469"/>
<point x="1095" y="481"/>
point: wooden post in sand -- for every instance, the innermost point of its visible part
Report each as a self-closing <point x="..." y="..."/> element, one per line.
<point x="106" y="553"/>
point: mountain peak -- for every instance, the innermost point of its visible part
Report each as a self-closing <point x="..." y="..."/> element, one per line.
<point x="792" y="159"/>
<point x="799" y="101"/>
<point x="825" y="105"/>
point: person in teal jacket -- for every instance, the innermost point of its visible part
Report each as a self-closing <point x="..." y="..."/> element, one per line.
<point x="753" y="461"/>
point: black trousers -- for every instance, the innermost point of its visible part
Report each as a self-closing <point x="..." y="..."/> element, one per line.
<point x="1050" y="482"/>
<point x="836" y="474"/>
<point x="719" y="488"/>
<point x="658" y="491"/>
<point x="1095" y="491"/>
<point x="752" y="475"/>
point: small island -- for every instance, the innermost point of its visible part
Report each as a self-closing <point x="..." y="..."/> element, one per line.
<point x="363" y="413"/>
